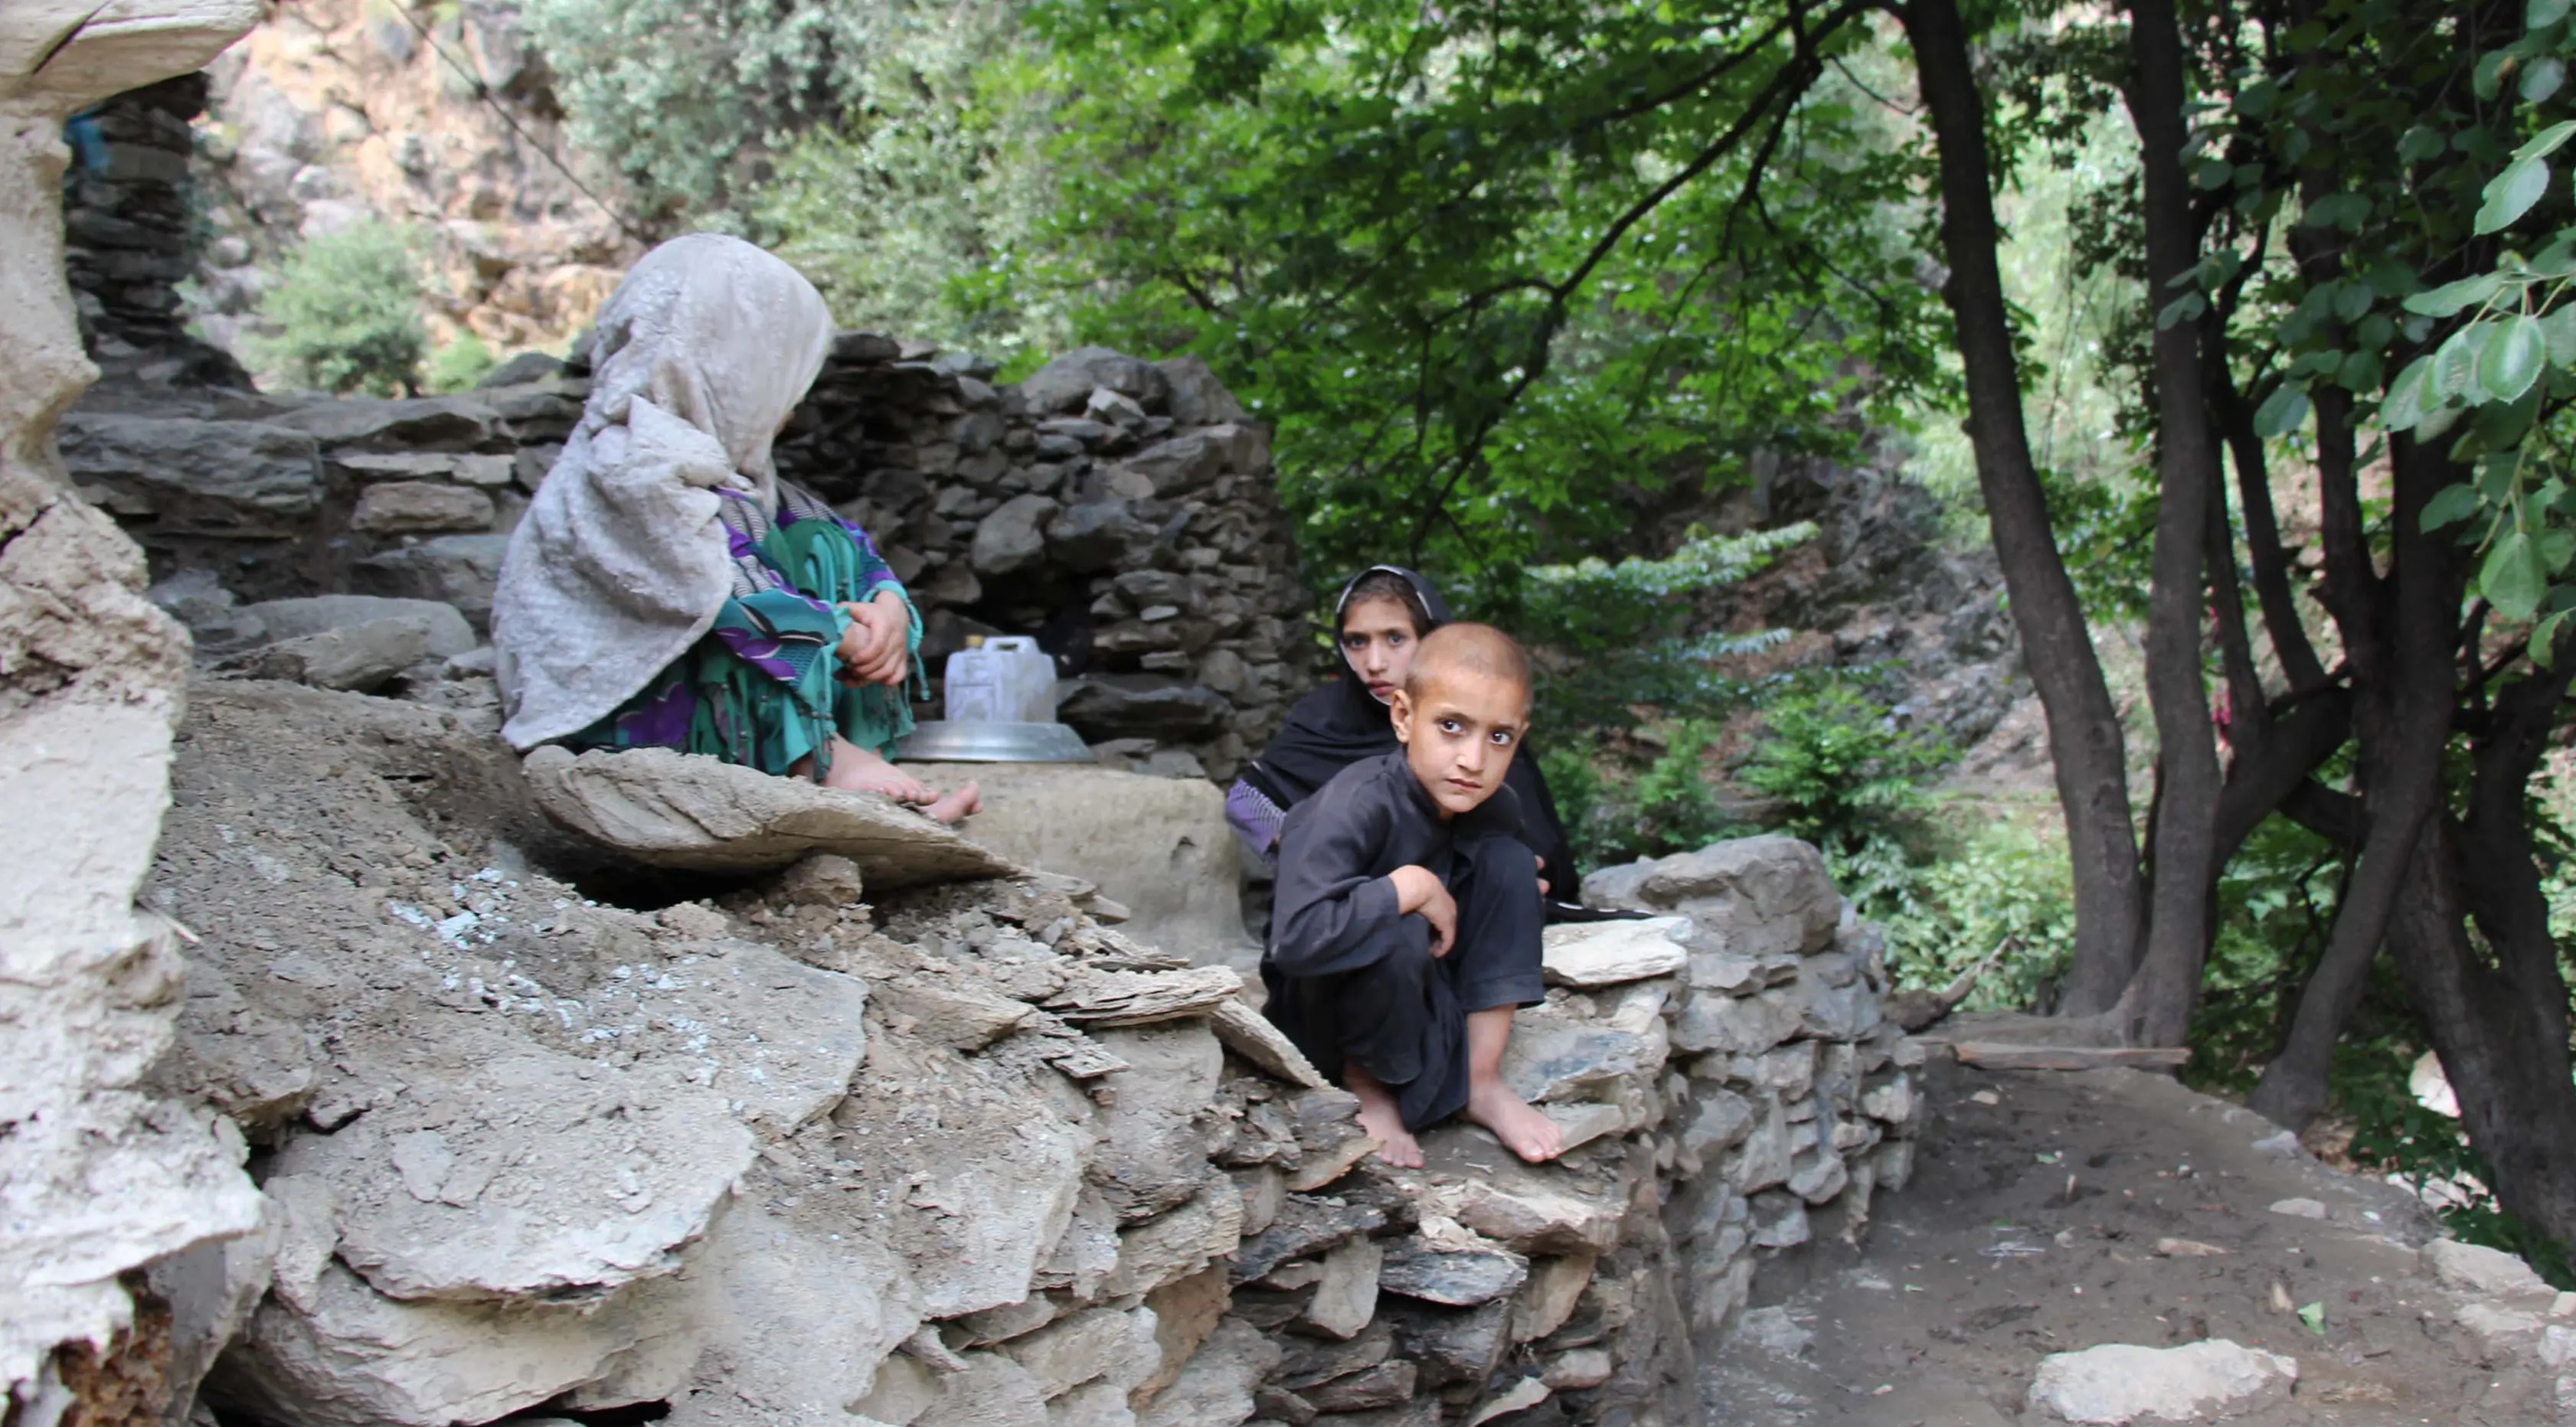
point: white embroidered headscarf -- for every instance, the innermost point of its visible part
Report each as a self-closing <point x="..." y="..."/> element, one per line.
<point x="621" y="563"/>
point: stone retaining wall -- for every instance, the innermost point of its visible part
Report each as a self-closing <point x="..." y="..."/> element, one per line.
<point x="959" y="1154"/>
<point x="131" y="237"/>
<point x="1120" y="510"/>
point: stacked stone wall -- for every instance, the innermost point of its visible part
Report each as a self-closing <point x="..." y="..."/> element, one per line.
<point x="1121" y="511"/>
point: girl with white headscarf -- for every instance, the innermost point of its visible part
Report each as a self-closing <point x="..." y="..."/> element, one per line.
<point x="666" y="589"/>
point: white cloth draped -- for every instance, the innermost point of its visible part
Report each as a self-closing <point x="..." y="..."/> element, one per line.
<point x="621" y="563"/>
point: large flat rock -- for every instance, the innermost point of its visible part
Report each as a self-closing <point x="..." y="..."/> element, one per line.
<point x="1608" y="953"/>
<point x="525" y="1174"/>
<point x="2122" y="1382"/>
<point x="1157" y="846"/>
<point x="683" y="810"/>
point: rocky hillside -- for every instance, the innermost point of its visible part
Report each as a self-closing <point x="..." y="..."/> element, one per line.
<point x="334" y="110"/>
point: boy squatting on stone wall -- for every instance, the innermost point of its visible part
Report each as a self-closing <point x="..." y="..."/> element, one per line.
<point x="1406" y="928"/>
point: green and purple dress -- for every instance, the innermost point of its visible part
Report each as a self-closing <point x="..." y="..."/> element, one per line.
<point x="762" y="687"/>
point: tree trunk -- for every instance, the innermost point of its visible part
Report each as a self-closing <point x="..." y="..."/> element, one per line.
<point x="2504" y="1051"/>
<point x="2402" y="716"/>
<point x="2084" y="735"/>
<point x="2158" y="1003"/>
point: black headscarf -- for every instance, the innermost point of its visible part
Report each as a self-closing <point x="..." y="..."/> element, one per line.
<point x="1342" y="722"/>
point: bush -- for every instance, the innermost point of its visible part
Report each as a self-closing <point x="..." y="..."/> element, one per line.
<point x="2007" y="887"/>
<point x="1667" y="808"/>
<point x="345" y="313"/>
<point x="460" y="364"/>
<point x="1850" y="780"/>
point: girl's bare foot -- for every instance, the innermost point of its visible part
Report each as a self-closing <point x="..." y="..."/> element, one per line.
<point x="859" y="770"/>
<point x="1384" y="1122"/>
<point x="1514" y="1121"/>
<point x="957" y="806"/>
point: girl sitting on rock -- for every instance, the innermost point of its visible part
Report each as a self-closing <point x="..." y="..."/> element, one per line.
<point x="1383" y="613"/>
<point x="667" y="590"/>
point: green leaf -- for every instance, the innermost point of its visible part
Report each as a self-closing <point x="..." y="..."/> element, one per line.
<point x="2450" y="297"/>
<point x="2352" y="301"/>
<point x="2558" y="329"/>
<point x="2421" y="143"/>
<point x="2186" y="308"/>
<point x="2557" y="543"/>
<point x="2437" y="421"/>
<point x="2544" y="639"/>
<point x="2455" y="363"/>
<point x="2281" y="412"/>
<point x="2450" y="505"/>
<point x="2408" y="396"/>
<point x="2513" y="357"/>
<point x="2546" y="142"/>
<point x="2338" y="210"/>
<point x="2513" y="578"/>
<point x="2314" y="1315"/>
<point x="2544" y="77"/>
<point x="2510" y="194"/>
<point x="2541" y="14"/>
<point x="2557" y="260"/>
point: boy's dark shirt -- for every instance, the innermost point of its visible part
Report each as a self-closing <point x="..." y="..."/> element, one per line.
<point x="1335" y="914"/>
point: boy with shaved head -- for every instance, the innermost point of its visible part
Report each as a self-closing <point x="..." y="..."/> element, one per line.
<point x="1405" y="931"/>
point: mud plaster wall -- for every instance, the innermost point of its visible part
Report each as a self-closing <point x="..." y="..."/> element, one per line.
<point x="100" y="1178"/>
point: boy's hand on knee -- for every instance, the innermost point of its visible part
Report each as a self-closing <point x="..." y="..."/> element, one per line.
<point x="1419" y="893"/>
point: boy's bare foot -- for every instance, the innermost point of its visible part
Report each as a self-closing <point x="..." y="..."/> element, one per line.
<point x="1384" y="1122"/>
<point x="1514" y="1121"/>
<point x="957" y="806"/>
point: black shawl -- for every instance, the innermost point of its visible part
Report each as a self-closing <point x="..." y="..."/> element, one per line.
<point x="1341" y="723"/>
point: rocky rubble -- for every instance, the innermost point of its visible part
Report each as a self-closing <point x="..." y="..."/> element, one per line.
<point x="815" y="1146"/>
<point x="1142" y="543"/>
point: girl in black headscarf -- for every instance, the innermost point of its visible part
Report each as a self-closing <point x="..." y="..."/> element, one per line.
<point x="1383" y="612"/>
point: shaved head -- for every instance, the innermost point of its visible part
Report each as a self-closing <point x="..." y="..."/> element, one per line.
<point x="1468" y="650"/>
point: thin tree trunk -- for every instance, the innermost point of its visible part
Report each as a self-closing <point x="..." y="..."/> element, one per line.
<point x="2403" y="719"/>
<point x="2084" y="735"/>
<point x="2157" y="1006"/>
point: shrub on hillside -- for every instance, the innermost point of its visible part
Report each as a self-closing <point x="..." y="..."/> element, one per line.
<point x="344" y="315"/>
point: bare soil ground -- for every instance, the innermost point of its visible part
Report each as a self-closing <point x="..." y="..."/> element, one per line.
<point x="2033" y="1225"/>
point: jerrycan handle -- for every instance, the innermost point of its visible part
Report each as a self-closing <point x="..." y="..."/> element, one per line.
<point x="1011" y="644"/>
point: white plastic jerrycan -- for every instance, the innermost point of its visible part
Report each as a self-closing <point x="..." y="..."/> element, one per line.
<point x="1004" y="679"/>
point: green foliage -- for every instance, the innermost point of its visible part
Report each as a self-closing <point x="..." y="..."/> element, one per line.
<point x="1669" y="807"/>
<point x="1849" y="780"/>
<point x="1617" y="633"/>
<point x="683" y="95"/>
<point x="2006" y="892"/>
<point x="345" y="313"/>
<point x="1502" y="275"/>
<point x="460" y="364"/>
<point x="919" y="211"/>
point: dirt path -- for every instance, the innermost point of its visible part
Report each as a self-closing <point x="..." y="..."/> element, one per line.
<point x="2032" y="1226"/>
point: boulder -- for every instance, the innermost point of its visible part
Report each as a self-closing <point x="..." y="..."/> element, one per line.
<point x="356" y="657"/>
<point x="1215" y="1388"/>
<point x="1159" y="847"/>
<point x="1066" y="383"/>
<point x="1608" y="953"/>
<point x="460" y="570"/>
<point x="1180" y="465"/>
<point x="449" y="634"/>
<point x="1010" y="539"/>
<point x="1460" y="1278"/>
<point x="2122" y="1382"/>
<point x="674" y="809"/>
<point x="237" y="480"/>
<point x="1091" y="536"/>
<point x="427" y="423"/>
<point x="420" y="508"/>
<point x="1197" y="397"/>
<point x="1754" y="896"/>
<point x="2484" y="1272"/>
<point x="1102" y="707"/>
